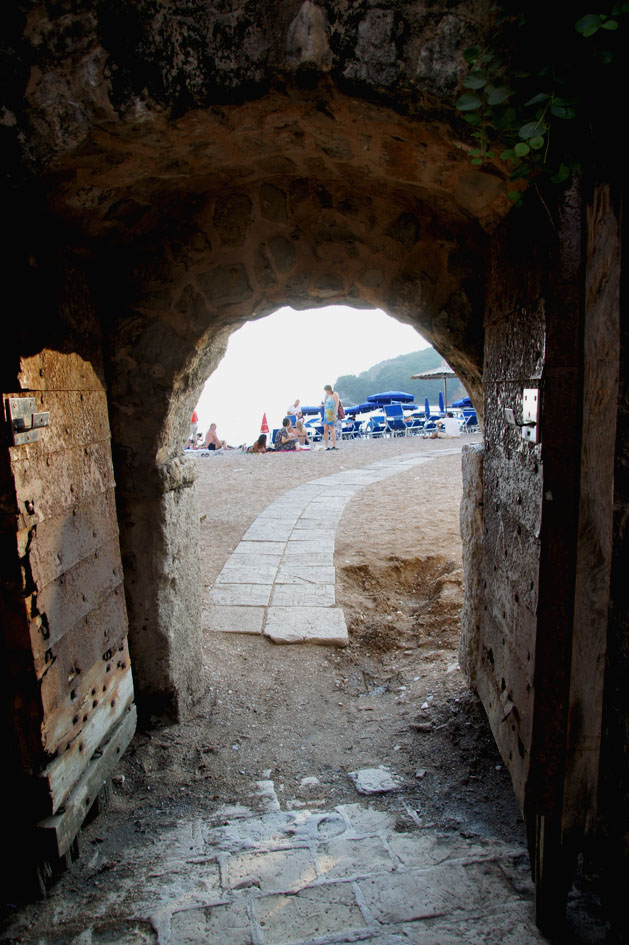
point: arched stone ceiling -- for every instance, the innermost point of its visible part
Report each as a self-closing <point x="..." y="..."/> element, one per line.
<point x="212" y="164"/>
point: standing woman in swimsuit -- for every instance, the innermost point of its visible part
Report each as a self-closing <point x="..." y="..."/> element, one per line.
<point x="330" y="411"/>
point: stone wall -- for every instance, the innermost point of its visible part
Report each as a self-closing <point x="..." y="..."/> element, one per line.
<point x="209" y="167"/>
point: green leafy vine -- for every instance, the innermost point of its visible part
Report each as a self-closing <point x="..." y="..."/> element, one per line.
<point x="522" y="111"/>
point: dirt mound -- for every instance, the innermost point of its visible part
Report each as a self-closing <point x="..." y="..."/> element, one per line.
<point x="403" y="603"/>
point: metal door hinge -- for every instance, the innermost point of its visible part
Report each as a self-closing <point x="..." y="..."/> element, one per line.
<point x="25" y="423"/>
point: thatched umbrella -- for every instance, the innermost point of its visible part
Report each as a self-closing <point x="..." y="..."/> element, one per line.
<point x="436" y="374"/>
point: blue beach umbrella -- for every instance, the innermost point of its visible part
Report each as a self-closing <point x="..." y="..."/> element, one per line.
<point x="390" y="396"/>
<point x="441" y="407"/>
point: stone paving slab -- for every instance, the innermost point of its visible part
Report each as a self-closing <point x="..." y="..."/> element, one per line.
<point x="284" y="870"/>
<point x="269" y="530"/>
<point x="259" y="547"/>
<point x="242" y="574"/>
<point x="290" y="573"/>
<point x="345" y="859"/>
<point x="430" y="893"/>
<point x="314" y="558"/>
<point x="311" y="914"/>
<point x="299" y="546"/>
<point x="246" y="595"/>
<point x="253" y="559"/>
<point x="303" y="595"/>
<point x="228" y="924"/>
<point x="313" y="534"/>
<point x="234" y="619"/>
<point x="307" y="625"/>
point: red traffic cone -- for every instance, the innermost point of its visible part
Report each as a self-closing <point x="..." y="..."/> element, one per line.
<point x="265" y="426"/>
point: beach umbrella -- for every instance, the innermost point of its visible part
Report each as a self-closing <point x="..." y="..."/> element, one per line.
<point x="442" y="409"/>
<point x="436" y="374"/>
<point x="390" y="396"/>
<point x="360" y="408"/>
<point x="463" y="402"/>
<point x="427" y="409"/>
<point x="265" y="424"/>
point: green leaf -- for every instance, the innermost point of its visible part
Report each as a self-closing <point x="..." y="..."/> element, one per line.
<point x="522" y="170"/>
<point x="537" y="142"/>
<point x="475" y="81"/>
<point x="471" y="53"/>
<point x="468" y="102"/>
<point x="474" y="152"/>
<point x="496" y="95"/>
<point x="541" y="97"/>
<point x="507" y="155"/>
<point x="521" y="149"/>
<point x="562" y="111"/>
<point x="532" y="128"/>
<point x="477" y="161"/>
<point x="473" y="118"/>
<point x="562" y="174"/>
<point x="514" y="195"/>
<point x="588" y="24"/>
<point x="610" y="25"/>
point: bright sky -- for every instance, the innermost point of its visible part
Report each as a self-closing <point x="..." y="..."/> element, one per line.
<point x="272" y="361"/>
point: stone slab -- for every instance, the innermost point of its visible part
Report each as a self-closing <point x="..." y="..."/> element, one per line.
<point x="253" y="559"/>
<point x="309" y="559"/>
<point x="325" y="625"/>
<point x="289" y="573"/>
<point x="273" y="871"/>
<point x="310" y="914"/>
<point x="429" y="893"/>
<point x="241" y="574"/>
<point x="227" y="923"/>
<point x="259" y="547"/>
<point x="378" y="780"/>
<point x="342" y="859"/>
<point x="235" y="619"/>
<point x="299" y="546"/>
<point x="269" y="530"/>
<point x="247" y="595"/>
<point x="313" y="534"/>
<point x="303" y="595"/>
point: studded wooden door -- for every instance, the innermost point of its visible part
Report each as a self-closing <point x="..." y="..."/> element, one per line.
<point x="65" y="628"/>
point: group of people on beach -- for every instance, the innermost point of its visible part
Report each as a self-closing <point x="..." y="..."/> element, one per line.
<point x="211" y="441"/>
<point x="292" y="435"/>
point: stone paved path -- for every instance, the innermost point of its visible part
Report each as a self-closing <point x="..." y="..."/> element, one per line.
<point x="287" y="874"/>
<point x="280" y="579"/>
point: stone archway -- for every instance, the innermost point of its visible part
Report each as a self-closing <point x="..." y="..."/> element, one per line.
<point x="298" y="199"/>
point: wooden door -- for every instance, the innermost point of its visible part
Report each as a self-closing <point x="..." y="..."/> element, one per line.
<point x="71" y="711"/>
<point x="551" y="331"/>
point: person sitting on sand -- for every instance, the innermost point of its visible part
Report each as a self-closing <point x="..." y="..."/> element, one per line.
<point x="285" y="438"/>
<point x="301" y="433"/>
<point x="259" y="446"/>
<point x="212" y="441"/>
